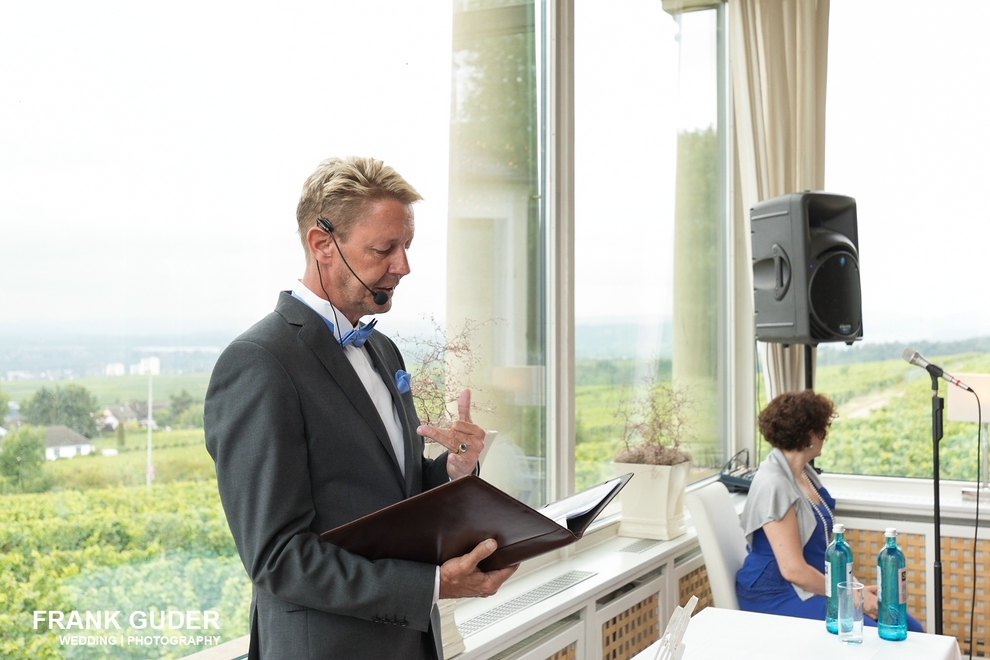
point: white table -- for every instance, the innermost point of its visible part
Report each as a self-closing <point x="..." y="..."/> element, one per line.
<point x="717" y="634"/>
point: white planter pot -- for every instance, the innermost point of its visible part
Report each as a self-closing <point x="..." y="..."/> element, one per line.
<point x="653" y="500"/>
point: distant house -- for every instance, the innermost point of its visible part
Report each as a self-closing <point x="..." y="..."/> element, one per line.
<point x="141" y="410"/>
<point x="63" y="442"/>
<point x="114" y="416"/>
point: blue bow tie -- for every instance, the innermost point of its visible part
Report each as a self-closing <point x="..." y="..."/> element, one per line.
<point x="358" y="336"/>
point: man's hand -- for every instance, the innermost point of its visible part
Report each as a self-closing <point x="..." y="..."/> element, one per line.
<point x="870" y="601"/>
<point x="461" y="578"/>
<point x="463" y="440"/>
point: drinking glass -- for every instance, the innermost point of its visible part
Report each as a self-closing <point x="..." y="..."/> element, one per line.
<point x="851" y="612"/>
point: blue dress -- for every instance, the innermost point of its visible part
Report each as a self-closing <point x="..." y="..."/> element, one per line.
<point x="761" y="588"/>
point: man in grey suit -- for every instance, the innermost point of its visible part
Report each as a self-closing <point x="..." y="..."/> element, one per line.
<point x="311" y="426"/>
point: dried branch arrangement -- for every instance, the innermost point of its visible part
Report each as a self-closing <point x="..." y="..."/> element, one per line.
<point x="654" y="425"/>
<point x="441" y="367"/>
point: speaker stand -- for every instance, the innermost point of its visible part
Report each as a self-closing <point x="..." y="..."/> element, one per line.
<point x="809" y="384"/>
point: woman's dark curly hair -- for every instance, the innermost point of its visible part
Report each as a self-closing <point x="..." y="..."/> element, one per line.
<point x="787" y="421"/>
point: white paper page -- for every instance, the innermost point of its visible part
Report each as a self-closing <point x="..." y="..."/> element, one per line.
<point x="578" y="504"/>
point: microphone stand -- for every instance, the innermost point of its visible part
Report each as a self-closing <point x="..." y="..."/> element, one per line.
<point x="937" y="406"/>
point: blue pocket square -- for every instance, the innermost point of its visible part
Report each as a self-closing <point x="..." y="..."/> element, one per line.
<point x="402" y="379"/>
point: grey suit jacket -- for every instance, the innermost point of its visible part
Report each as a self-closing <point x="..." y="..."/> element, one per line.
<point x="299" y="449"/>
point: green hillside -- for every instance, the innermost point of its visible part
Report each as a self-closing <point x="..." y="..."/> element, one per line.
<point x="884" y="425"/>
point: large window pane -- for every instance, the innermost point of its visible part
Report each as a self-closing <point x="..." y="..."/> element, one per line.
<point x="151" y="162"/>
<point x="495" y="265"/>
<point x="648" y="222"/>
<point x="908" y="137"/>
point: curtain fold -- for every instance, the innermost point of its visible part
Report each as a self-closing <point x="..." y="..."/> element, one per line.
<point x="778" y="59"/>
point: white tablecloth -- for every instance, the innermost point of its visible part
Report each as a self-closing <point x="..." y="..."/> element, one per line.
<point x="716" y="634"/>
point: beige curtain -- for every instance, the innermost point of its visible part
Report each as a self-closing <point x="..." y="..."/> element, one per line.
<point x="778" y="55"/>
<point x="783" y="369"/>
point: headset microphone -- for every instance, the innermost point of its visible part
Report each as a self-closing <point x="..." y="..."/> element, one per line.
<point x="380" y="297"/>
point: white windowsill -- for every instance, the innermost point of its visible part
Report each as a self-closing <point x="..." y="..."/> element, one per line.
<point x="903" y="497"/>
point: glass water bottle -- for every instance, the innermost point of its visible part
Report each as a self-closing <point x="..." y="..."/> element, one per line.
<point x="891" y="590"/>
<point x="838" y="568"/>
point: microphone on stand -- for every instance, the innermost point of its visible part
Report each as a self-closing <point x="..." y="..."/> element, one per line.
<point x="915" y="358"/>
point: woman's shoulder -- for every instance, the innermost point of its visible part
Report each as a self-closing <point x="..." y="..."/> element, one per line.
<point x="772" y="487"/>
<point x="771" y="474"/>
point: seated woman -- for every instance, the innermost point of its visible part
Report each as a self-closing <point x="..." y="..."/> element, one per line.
<point x="788" y="516"/>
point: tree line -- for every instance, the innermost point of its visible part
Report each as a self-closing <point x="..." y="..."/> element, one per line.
<point x="832" y="354"/>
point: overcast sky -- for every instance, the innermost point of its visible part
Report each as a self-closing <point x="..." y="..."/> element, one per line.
<point x="908" y="137"/>
<point x="151" y="156"/>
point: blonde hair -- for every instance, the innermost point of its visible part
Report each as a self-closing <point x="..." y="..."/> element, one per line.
<point x="339" y="188"/>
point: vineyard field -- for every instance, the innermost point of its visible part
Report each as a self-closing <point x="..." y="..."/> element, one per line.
<point x="883" y="428"/>
<point x="146" y="549"/>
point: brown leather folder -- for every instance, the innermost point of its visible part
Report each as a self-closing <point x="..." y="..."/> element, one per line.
<point x="450" y="520"/>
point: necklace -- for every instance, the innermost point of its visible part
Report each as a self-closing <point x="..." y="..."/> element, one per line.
<point x="821" y="516"/>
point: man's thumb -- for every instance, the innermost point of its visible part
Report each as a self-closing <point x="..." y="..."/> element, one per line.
<point x="482" y="550"/>
<point x="464" y="406"/>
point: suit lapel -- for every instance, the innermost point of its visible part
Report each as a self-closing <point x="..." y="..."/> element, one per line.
<point x="314" y="333"/>
<point x="387" y="371"/>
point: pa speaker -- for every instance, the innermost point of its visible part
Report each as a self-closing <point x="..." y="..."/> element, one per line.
<point x="806" y="269"/>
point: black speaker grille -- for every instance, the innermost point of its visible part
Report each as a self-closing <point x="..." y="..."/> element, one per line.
<point x="835" y="298"/>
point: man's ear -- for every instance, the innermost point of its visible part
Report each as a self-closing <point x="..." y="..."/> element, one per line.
<point x="320" y="244"/>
